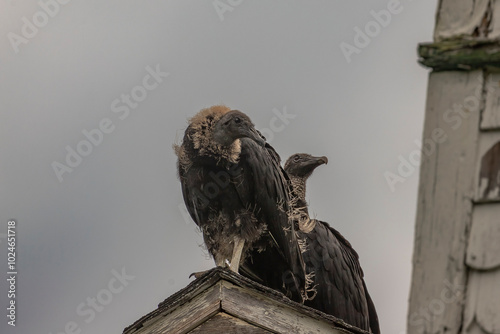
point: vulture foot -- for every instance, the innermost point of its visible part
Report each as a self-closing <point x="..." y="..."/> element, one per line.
<point x="198" y="274"/>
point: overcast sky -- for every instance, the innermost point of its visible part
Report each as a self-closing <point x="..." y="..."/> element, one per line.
<point x="93" y="96"/>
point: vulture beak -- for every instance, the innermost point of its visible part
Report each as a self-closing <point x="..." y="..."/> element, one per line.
<point x="322" y="160"/>
<point x="255" y="136"/>
<point x="314" y="162"/>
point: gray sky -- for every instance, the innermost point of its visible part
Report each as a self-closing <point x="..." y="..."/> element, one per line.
<point x="119" y="210"/>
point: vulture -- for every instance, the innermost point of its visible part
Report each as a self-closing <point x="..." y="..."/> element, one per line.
<point x="337" y="276"/>
<point x="236" y="191"/>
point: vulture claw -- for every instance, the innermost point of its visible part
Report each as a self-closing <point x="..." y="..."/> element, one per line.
<point x="198" y="274"/>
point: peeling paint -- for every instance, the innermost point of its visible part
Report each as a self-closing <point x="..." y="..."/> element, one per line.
<point x="461" y="18"/>
<point x="483" y="29"/>
<point x="489" y="175"/>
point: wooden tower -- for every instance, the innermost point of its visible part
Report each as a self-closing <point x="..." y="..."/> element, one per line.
<point x="456" y="262"/>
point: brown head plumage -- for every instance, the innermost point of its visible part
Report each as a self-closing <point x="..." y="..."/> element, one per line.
<point x="198" y="138"/>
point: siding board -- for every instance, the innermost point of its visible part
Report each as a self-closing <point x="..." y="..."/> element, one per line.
<point x="445" y="197"/>
<point x="223" y="323"/>
<point x="459" y="17"/>
<point x="488" y="168"/>
<point x="490" y="119"/>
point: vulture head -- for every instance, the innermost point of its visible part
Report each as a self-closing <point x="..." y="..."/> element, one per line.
<point x="234" y="125"/>
<point x="302" y="165"/>
<point x="215" y="133"/>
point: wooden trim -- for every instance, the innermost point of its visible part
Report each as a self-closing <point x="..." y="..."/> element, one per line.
<point x="273" y="316"/>
<point x="221" y="290"/>
<point x="225" y="323"/>
<point x="183" y="319"/>
<point x="444" y="207"/>
<point x="460" y="54"/>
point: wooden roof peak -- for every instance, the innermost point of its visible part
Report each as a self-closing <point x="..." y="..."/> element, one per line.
<point x="222" y="292"/>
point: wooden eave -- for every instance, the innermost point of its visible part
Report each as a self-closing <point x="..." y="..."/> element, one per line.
<point x="461" y="54"/>
<point x="222" y="291"/>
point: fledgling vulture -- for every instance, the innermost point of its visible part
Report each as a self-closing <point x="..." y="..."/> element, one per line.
<point x="337" y="274"/>
<point x="237" y="193"/>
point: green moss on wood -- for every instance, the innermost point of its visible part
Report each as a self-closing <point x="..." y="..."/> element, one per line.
<point x="460" y="54"/>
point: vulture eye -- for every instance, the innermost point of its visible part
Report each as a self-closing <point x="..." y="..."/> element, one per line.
<point x="237" y="120"/>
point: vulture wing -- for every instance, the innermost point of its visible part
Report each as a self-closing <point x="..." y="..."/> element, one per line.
<point x="265" y="183"/>
<point x="341" y="290"/>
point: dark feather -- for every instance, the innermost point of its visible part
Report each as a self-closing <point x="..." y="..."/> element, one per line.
<point x="338" y="277"/>
<point x="240" y="190"/>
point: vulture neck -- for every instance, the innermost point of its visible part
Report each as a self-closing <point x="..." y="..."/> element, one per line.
<point x="301" y="213"/>
<point x="299" y="187"/>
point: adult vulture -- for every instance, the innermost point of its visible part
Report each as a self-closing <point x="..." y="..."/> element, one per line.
<point x="338" y="277"/>
<point x="237" y="193"/>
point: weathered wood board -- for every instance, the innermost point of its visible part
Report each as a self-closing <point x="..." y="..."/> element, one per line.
<point x="258" y="309"/>
<point x="460" y="55"/>
<point x="467" y="18"/>
<point x="483" y="250"/>
<point x="224" y="302"/>
<point x="444" y="205"/>
<point x="461" y="17"/>
<point x="482" y="304"/>
<point x="224" y="323"/>
<point x="490" y="118"/>
<point x="186" y="317"/>
<point x="488" y="168"/>
<point x="495" y="20"/>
